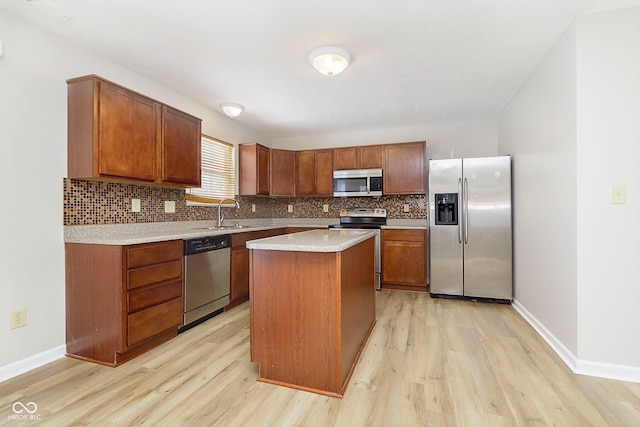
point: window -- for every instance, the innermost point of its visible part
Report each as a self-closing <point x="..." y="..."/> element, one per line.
<point x="218" y="166"/>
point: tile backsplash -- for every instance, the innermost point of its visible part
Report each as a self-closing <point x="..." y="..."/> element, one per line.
<point x="88" y="202"/>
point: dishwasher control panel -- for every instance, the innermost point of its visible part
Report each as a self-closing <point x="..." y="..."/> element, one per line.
<point x="205" y="244"/>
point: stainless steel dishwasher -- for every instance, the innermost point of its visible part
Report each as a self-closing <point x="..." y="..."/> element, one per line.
<point x="206" y="278"/>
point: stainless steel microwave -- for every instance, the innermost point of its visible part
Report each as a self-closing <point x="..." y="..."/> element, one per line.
<point x="357" y="183"/>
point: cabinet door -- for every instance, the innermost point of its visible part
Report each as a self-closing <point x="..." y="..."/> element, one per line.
<point x="253" y="160"/>
<point x="404" y="168"/>
<point x="239" y="276"/>
<point x="263" y="170"/>
<point x="370" y="157"/>
<point x="305" y="173"/>
<point x="283" y="173"/>
<point x="324" y="173"/>
<point x="345" y="158"/>
<point x="180" y="148"/>
<point x="404" y="259"/>
<point x="126" y="134"/>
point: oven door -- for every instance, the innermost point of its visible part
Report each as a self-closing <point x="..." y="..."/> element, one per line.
<point x="376" y="251"/>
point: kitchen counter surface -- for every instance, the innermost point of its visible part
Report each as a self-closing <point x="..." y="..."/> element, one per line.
<point x="313" y="241"/>
<point x="130" y="234"/>
<point x="408" y="224"/>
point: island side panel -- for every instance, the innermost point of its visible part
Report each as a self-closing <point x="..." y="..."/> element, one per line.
<point x="358" y="302"/>
<point x="295" y="318"/>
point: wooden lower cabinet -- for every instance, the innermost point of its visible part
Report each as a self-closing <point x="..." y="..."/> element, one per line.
<point x="404" y="259"/>
<point x="122" y="300"/>
<point x="239" y="291"/>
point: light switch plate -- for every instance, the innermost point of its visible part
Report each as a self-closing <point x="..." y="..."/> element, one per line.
<point x="135" y="205"/>
<point x="290" y="208"/>
<point x="169" y="206"/>
<point x="618" y="195"/>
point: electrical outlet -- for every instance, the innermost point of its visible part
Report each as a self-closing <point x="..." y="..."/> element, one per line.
<point x="135" y="205"/>
<point x="169" y="206"/>
<point x="406" y="208"/>
<point x="290" y="208"/>
<point x="18" y="318"/>
<point x="618" y="195"/>
<point x="253" y="208"/>
<point x="325" y="208"/>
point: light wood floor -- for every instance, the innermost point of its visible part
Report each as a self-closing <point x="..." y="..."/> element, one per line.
<point x="428" y="362"/>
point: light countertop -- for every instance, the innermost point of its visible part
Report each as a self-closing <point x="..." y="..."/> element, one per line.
<point x="130" y="234"/>
<point x="313" y="241"/>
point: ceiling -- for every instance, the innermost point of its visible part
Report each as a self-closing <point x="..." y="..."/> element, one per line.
<point x="413" y="61"/>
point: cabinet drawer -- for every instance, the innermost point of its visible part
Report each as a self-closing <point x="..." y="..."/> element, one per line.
<point x="152" y="296"/>
<point x="154" y="273"/>
<point x="404" y="235"/>
<point x="152" y="321"/>
<point x="154" y="253"/>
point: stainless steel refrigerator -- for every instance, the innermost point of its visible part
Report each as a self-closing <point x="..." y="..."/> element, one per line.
<point x="470" y="228"/>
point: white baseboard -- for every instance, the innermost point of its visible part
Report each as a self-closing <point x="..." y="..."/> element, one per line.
<point x="21" y="366"/>
<point x="580" y="367"/>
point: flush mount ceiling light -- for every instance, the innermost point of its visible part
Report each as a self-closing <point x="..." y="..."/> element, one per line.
<point x="231" y="110"/>
<point x="330" y="60"/>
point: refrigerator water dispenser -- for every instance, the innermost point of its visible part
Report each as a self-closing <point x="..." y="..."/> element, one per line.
<point x="446" y="209"/>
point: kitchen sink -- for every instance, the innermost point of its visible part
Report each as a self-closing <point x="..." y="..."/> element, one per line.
<point x="224" y="227"/>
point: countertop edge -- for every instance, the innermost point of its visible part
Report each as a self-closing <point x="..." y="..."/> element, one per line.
<point x="310" y="241"/>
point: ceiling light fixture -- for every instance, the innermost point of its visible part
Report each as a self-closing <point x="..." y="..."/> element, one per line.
<point x="330" y="60"/>
<point x="231" y="110"/>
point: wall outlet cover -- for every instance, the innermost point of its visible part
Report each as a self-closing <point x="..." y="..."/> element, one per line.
<point x="406" y="208"/>
<point x="169" y="206"/>
<point x="325" y="208"/>
<point x="290" y="208"/>
<point x="618" y="195"/>
<point x="253" y="208"/>
<point x="18" y="318"/>
<point x="135" y="205"/>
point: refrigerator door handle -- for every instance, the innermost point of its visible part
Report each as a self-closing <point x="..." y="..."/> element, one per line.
<point x="459" y="222"/>
<point x="465" y="208"/>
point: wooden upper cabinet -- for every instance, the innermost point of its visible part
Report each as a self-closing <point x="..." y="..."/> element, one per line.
<point x="404" y="168"/>
<point x="114" y="132"/>
<point x="180" y="147"/>
<point x="361" y="157"/>
<point x="305" y="173"/>
<point x="314" y="173"/>
<point x="370" y="157"/>
<point x="254" y="169"/>
<point x="345" y="158"/>
<point x="283" y="173"/>
<point x="324" y="172"/>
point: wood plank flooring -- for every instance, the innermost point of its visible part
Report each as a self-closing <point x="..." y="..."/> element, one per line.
<point x="428" y="362"/>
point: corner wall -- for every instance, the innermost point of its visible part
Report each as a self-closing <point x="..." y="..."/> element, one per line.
<point x="608" y="82"/>
<point x="538" y="129"/>
<point x="574" y="130"/>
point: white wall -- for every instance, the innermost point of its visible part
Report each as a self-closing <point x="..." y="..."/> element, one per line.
<point x="538" y="130"/>
<point x="444" y="140"/>
<point x="574" y="129"/>
<point x="33" y="158"/>
<point x="608" y="53"/>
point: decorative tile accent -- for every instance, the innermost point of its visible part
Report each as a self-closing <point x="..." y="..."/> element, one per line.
<point x="88" y="202"/>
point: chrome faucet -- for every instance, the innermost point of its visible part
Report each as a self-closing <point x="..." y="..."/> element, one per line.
<point x="220" y="216"/>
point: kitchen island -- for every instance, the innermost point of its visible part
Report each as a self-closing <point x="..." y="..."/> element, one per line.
<point x="312" y="307"/>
